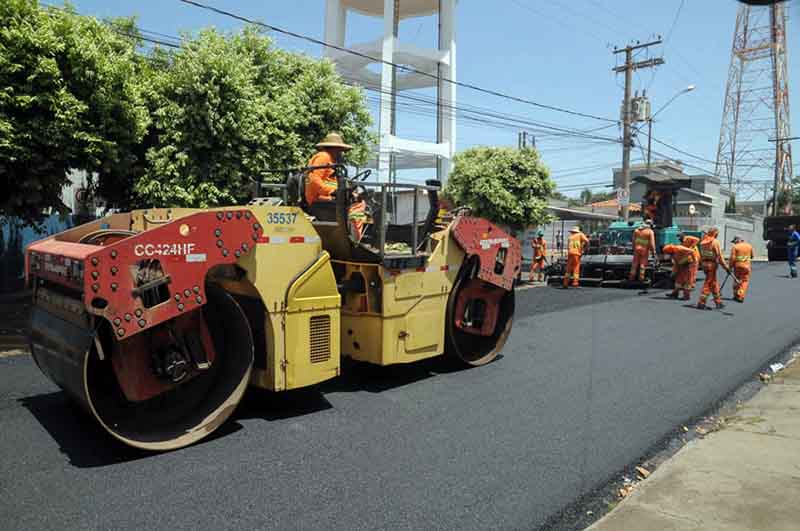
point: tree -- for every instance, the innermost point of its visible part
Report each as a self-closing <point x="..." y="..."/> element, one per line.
<point x="70" y="98"/>
<point x="586" y="196"/>
<point x="505" y="185"/>
<point x="228" y="108"/>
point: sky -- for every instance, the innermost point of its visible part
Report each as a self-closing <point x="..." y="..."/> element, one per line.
<point x="553" y="52"/>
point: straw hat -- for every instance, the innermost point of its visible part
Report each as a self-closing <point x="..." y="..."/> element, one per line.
<point x="333" y="140"/>
<point x="575" y="229"/>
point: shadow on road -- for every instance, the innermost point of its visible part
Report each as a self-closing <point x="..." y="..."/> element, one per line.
<point x="87" y="445"/>
<point x="82" y="440"/>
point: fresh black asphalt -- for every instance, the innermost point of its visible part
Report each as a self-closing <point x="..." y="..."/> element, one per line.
<point x="587" y="382"/>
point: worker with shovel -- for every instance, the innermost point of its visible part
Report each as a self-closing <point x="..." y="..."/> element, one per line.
<point x="711" y="257"/>
<point x="684" y="266"/>
<point x="741" y="258"/>
<point x="539" y="245"/>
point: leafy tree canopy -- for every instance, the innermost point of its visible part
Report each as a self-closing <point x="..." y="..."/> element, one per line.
<point x="508" y="186"/>
<point x="228" y="108"/>
<point x="70" y="97"/>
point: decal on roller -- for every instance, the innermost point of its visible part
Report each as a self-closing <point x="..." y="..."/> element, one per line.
<point x="163" y="249"/>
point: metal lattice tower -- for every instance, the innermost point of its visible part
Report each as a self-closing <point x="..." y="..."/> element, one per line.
<point x="756" y="103"/>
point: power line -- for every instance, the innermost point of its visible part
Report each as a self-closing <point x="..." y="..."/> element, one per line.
<point x="404" y="68"/>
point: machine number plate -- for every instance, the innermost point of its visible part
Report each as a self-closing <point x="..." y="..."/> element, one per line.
<point x="163" y="249"/>
<point x="281" y="218"/>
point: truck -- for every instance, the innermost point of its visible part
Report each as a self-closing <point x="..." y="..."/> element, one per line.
<point x="776" y="234"/>
<point x="157" y="320"/>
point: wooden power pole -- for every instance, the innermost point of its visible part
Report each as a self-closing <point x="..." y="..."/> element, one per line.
<point x="627" y="141"/>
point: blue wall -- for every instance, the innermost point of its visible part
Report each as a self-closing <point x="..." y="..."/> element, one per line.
<point x="14" y="237"/>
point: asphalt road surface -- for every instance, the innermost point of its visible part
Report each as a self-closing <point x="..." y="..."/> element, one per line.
<point x="588" y="381"/>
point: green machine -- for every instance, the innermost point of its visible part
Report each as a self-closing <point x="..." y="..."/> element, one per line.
<point x="610" y="255"/>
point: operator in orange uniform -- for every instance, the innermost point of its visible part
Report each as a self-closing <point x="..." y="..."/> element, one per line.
<point x="576" y="246"/>
<point x="539" y="245"/>
<point x="741" y="262"/>
<point x="710" y="257"/>
<point x="644" y="245"/>
<point x="321" y="183"/>
<point x="683" y="260"/>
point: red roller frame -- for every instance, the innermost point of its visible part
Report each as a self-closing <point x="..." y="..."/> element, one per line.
<point x="481" y="238"/>
<point x="187" y="248"/>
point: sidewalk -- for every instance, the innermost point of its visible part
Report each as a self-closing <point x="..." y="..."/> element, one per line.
<point x="745" y="476"/>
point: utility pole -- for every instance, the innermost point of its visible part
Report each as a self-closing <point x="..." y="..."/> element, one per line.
<point x="627" y="141"/>
<point x="522" y="140"/>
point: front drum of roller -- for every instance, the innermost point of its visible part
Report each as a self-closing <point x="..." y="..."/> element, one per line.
<point x="184" y="414"/>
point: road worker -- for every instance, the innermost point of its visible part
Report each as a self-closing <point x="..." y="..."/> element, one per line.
<point x="792" y="249"/>
<point x="741" y="262"/>
<point x="691" y="242"/>
<point x="539" y="246"/>
<point x="321" y="183"/>
<point x="711" y="257"/>
<point x="357" y="212"/>
<point x="577" y="243"/>
<point x="683" y="259"/>
<point x="644" y="245"/>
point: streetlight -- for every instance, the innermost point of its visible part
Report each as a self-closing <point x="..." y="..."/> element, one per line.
<point x="650" y="120"/>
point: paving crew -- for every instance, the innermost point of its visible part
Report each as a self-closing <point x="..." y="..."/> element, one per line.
<point x="577" y="243"/>
<point x="711" y="257"/>
<point x="792" y="249"/>
<point x="644" y="245"/>
<point x="357" y="212"/>
<point x="539" y="245"/>
<point x="683" y="258"/>
<point x="321" y="183"/>
<point x="741" y="262"/>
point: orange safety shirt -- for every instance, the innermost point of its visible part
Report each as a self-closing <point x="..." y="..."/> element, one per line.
<point x="576" y="242"/>
<point x="710" y="250"/>
<point x="539" y="247"/>
<point x="320" y="183"/>
<point x="357" y="214"/>
<point x="683" y="255"/>
<point x="741" y="255"/>
<point x="644" y="240"/>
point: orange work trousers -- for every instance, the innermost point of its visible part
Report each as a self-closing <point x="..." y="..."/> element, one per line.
<point x="640" y="262"/>
<point x="537" y="268"/>
<point x="740" y="289"/>
<point x="573" y="273"/>
<point x="683" y="282"/>
<point x="693" y="267"/>
<point x="711" y="285"/>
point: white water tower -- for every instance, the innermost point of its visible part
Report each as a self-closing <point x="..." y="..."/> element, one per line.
<point x="394" y="153"/>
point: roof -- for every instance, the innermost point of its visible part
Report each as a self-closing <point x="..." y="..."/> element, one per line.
<point x="577" y="215"/>
<point x="612" y="203"/>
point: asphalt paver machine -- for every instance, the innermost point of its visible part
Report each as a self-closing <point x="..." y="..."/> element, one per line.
<point x="157" y="320"/>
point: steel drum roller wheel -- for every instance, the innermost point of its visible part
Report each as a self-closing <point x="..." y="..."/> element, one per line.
<point x="475" y="350"/>
<point x="190" y="411"/>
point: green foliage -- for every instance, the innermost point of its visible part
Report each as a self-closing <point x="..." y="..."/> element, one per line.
<point x="69" y="98"/>
<point x="730" y="206"/>
<point x="505" y="185"/>
<point x="228" y="108"/>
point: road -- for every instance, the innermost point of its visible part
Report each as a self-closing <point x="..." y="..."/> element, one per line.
<point x="589" y="380"/>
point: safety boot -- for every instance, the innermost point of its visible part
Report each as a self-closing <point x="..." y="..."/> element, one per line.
<point x="719" y="305"/>
<point x="701" y="306"/>
<point x="672" y="295"/>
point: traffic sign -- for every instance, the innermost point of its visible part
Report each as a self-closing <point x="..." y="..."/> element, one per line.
<point x="623" y="199"/>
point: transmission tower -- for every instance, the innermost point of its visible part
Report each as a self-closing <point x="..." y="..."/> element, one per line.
<point x="757" y="103"/>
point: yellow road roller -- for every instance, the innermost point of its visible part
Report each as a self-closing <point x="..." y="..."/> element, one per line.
<point x="156" y="321"/>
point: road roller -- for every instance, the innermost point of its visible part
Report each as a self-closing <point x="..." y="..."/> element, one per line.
<point x="156" y="321"/>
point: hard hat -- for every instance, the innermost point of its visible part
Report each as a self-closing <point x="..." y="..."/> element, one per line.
<point x="736" y="239"/>
<point x="540" y="232"/>
<point x="575" y="229"/>
<point x="333" y="140"/>
<point x="712" y="230"/>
